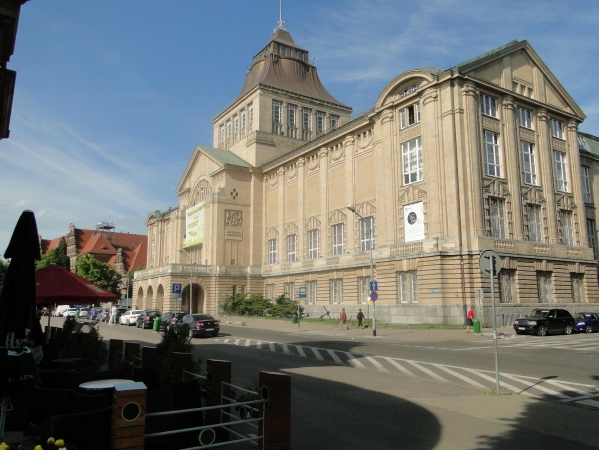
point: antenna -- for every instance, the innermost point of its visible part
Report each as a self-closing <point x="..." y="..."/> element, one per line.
<point x="281" y="24"/>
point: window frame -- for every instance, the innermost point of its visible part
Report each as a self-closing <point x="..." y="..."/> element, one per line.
<point x="313" y="243"/>
<point x="338" y="239"/>
<point x="488" y="105"/>
<point x="507" y="286"/>
<point x="592" y="236"/>
<point x="577" y="287"/>
<point x="364" y="289"/>
<point x="525" y="118"/>
<point x="566" y="226"/>
<point x="587" y="196"/>
<point x="497" y="223"/>
<point x="366" y="240"/>
<point x="407" y="285"/>
<point x="557" y="129"/>
<point x="291" y="115"/>
<point x="320" y="121"/>
<point x="492" y="148"/>
<point x="289" y="290"/>
<point x="561" y="170"/>
<point x="307" y="114"/>
<point x="292" y="247"/>
<point x="336" y="287"/>
<point x="412" y="163"/>
<point x="277" y="112"/>
<point x="529" y="168"/>
<point x="537" y="226"/>
<point x="311" y="292"/>
<point x="272" y="251"/>
<point x="410" y="115"/>
<point x="333" y="121"/>
<point x="270" y="291"/>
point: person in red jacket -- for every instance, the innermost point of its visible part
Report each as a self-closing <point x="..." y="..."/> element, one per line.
<point x="469" y="319"/>
<point x="343" y="317"/>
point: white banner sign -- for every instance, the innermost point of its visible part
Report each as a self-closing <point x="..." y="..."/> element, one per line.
<point x="194" y="225"/>
<point x="413" y="222"/>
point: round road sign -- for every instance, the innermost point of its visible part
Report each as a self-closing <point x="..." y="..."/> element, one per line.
<point x="374" y="296"/>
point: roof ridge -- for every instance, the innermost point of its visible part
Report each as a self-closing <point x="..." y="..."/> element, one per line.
<point x="489" y="53"/>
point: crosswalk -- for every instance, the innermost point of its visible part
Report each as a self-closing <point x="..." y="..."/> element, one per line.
<point x="546" y="388"/>
<point x="577" y="343"/>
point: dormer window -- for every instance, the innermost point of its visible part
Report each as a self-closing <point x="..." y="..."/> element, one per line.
<point x="410" y="115"/>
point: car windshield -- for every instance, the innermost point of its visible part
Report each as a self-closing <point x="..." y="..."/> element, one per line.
<point x="137" y="311"/>
<point x="153" y="314"/>
<point x="202" y="317"/>
<point x="582" y="316"/>
<point x="538" y="313"/>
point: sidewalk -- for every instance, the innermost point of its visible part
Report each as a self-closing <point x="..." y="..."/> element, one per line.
<point x="383" y="333"/>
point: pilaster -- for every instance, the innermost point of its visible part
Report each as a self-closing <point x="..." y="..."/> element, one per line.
<point x="574" y="157"/>
<point x="301" y="173"/>
<point x="349" y="145"/>
<point x="281" y="256"/>
<point x="387" y="195"/>
<point x="512" y="164"/>
<point x="545" y="154"/>
<point x="324" y="203"/>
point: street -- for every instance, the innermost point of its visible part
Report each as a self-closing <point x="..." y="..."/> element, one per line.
<point x="416" y="389"/>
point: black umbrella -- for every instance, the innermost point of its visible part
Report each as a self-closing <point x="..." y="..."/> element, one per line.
<point x="17" y="302"/>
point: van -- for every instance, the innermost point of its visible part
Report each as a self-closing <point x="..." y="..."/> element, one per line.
<point x="60" y="309"/>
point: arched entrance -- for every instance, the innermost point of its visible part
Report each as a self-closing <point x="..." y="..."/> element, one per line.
<point x="149" y="298"/>
<point x="198" y="300"/>
<point x="140" y="295"/>
<point x="159" y="298"/>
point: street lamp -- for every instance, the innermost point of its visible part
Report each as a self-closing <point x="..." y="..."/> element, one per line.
<point x="352" y="209"/>
<point x="190" y="277"/>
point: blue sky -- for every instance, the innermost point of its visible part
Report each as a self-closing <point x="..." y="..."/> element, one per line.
<point x="113" y="96"/>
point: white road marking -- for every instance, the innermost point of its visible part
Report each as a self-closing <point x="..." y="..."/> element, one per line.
<point x="400" y="367"/>
<point x="334" y="356"/>
<point x="354" y="360"/>
<point x="316" y="353"/>
<point x="259" y="345"/>
<point x="501" y="384"/>
<point x="300" y="350"/>
<point x="272" y="346"/>
<point x="593" y="403"/>
<point x="226" y="341"/>
<point x="536" y="385"/>
<point x="427" y="371"/>
<point x="248" y="342"/>
<point x="285" y="348"/>
<point x="376" y="364"/>
<point x="237" y="341"/>
<point x="460" y="376"/>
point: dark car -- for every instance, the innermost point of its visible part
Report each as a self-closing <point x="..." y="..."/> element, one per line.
<point x="201" y="325"/>
<point x="170" y="318"/>
<point x="587" y="322"/>
<point x="146" y="319"/>
<point x="542" y="321"/>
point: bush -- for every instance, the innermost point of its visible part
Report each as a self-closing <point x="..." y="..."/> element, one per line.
<point x="174" y="340"/>
<point x="91" y="345"/>
<point x="256" y="305"/>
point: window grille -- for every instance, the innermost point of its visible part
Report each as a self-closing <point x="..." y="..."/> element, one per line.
<point x="566" y="227"/>
<point x="408" y="286"/>
<point x="366" y="233"/>
<point x="497" y="217"/>
<point x="577" y="282"/>
<point x="507" y="286"/>
<point x="337" y="239"/>
<point x="492" y="162"/>
<point x="313" y="238"/>
<point x="544" y="287"/>
<point x="533" y="213"/>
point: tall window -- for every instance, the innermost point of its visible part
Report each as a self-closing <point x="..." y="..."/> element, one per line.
<point x="592" y="234"/>
<point x="270" y="291"/>
<point x="577" y="282"/>
<point x="320" y="122"/>
<point x="307" y="119"/>
<point x="337" y="291"/>
<point x="586" y="184"/>
<point x="242" y="123"/>
<point x="408" y="286"/>
<point x="488" y="105"/>
<point x="277" y="108"/>
<point x="533" y="213"/>
<point x="364" y="287"/>
<point x="311" y="292"/>
<point x="272" y="251"/>
<point x="235" y="127"/>
<point x="544" y="287"/>
<point x="334" y="121"/>
<point x="292" y="247"/>
<point x="412" y="161"/>
<point x="525" y="116"/>
<point x="291" y="115"/>
<point x="497" y="217"/>
<point x="409" y="115"/>
<point x="557" y="129"/>
<point x="250" y="117"/>
<point x="492" y="162"/>
<point x="222" y="134"/>
<point x="290" y="291"/>
<point x="529" y="169"/>
<point x="313" y="236"/>
<point x="507" y="286"/>
<point x="337" y="232"/>
<point x="153" y="249"/>
<point x="366" y="233"/>
<point x="561" y="175"/>
<point x="228" y="130"/>
<point x="565" y="219"/>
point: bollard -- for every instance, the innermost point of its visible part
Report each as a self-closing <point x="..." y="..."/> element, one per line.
<point x="217" y="372"/>
<point x="128" y="416"/>
<point x="276" y="390"/>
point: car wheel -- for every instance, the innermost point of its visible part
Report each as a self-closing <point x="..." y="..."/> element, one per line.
<point x="589" y="329"/>
<point x="568" y="329"/>
<point x="542" y="331"/>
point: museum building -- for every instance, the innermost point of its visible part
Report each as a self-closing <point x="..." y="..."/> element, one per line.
<point x="485" y="155"/>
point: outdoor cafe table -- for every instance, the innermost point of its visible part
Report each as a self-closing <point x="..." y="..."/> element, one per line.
<point x="102" y="385"/>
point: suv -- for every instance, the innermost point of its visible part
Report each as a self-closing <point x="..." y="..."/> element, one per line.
<point x="146" y="319"/>
<point x="170" y="318"/>
<point x="541" y="321"/>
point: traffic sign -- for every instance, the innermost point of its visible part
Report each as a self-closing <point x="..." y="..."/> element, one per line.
<point x="176" y="289"/>
<point x="302" y="292"/>
<point x="374" y="296"/>
<point x="485" y="260"/>
<point x="374" y="285"/>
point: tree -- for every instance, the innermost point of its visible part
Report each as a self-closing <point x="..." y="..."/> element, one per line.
<point x="56" y="256"/>
<point x="98" y="272"/>
<point x="3" y="269"/>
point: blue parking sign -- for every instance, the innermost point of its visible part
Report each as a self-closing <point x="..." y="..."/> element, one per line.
<point x="176" y="289"/>
<point x="374" y="285"/>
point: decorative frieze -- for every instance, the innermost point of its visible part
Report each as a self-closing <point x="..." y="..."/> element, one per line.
<point x="527" y="135"/>
<point x="410" y="133"/>
<point x="558" y="144"/>
<point x="505" y="246"/>
<point x="407" y="249"/>
<point x="491" y="124"/>
<point x="541" y="249"/>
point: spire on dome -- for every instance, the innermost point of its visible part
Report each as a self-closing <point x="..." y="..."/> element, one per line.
<point x="281" y="25"/>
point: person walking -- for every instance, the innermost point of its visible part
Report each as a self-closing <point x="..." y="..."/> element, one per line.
<point x="343" y="317"/>
<point x="469" y="319"/>
<point x="77" y="313"/>
<point x="113" y="312"/>
<point x="360" y="317"/>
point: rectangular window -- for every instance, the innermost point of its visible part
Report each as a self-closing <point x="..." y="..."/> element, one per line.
<point x="412" y="161"/>
<point x="366" y="234"/>
<point x="242" y="123"/>
<point x="277" y="107"/>
<point x="270" y="291"/>
<point x="409" y="115"/>
<point x="533" y="213"/>
<point x="586" y="184"/>
<point x="289" y="291"/>
<point x="408" y="286"/>
<point x="228" y="130"/>
<point x="544" y="287"/>
<point x="557" y="129"/>
<point x="307" y="119"/>
<point x="488" y="105"/>
<point x="530" y="92"/>
<point x="497" y="217"/>
<point x="507" y="286"/>
<point x="291" y="115"/>
<point x="235" y="126"/>
<point x="292" y="247"/>
<point x="565" y="219"/>
<point x="529" y="169"/>
<point x="577" y="282"/>
<point x="592" y="234"/>
<point x="313" y="237"/>
<point x="250" y="117"/>
<point x="320" y="122"/>
<point x="337" y="238"/>
<point x="222" y="134"/>
<point x="334" y="121"/>
<point x="561" y="174"/>
<point x="311" y="292"/>
<point x="364" y="286"/>
<point x="337" y="291"/>
<point x="525" y="116"/>
<point x="492" y="162"/>
<point x="272" y="251"/>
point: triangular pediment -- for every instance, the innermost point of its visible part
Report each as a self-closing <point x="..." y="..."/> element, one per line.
<point x="533" y="195"/>
<point x="411" y="194"/>
<point x="566" y="202"/>
<point x="497" y="188"/>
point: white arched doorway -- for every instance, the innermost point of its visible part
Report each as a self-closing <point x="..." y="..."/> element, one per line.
<point x="159" y="299"/>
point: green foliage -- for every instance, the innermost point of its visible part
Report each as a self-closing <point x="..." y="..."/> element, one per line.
<point x="174" y="340"/>
<point x="283" y="307"/>
<point x="243" y="304"/>
<point x="98" y="272"/>
<point x="3" y="269"/>
<point x="91" y="344"/>
<point x="56" y="256"/>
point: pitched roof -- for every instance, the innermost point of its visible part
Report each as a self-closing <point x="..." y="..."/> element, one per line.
<point x="487" y="54"/>
<point x="588" y="143"/>
<point x="224" y="157"/>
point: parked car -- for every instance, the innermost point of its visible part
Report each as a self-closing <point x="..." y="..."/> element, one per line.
<point x="84" y="313"/>
<point x="587" y="322"/>
<point x="60" y="309"/>
<point x="69" y="312"/>
<point x="146" y="318"/>
<point x="542" y="321"/>
<point x="201" y="325"/>
<point x="129" y="317"/>
<point x="104" y="314"/>
<point x="170" y="318"/>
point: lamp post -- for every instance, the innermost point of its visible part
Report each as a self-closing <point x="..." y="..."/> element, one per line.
<point x="353" y="209"/>
<point x="190" y="278"/>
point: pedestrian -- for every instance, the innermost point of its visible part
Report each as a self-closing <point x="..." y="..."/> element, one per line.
<point x="113" y="312"/>
<point x="37" y="337"/>
<point x="77" y="313"/>
<point x="360" y="317"/>
<point x="469" y="319"/>
<point x="343" y="317"/>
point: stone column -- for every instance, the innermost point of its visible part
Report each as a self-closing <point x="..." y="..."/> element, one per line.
<point x="281" y="212"/>
<point x="512" y="163"/>
<point x="301" y="173"/>
<point x="349" y="147"/>
<point x="385" y="194"/>
<point x="546" y="161"/>
<point x="576" y="181"/>
<point x="324" y="202"/>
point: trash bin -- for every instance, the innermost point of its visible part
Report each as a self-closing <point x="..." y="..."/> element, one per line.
<point x="156" y="323"/>
<point x="294" y="318"/>
<point x="476" y="325"/>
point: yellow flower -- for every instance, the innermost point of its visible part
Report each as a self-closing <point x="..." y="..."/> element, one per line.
<point x="50" y="440"/>
<point x="4" y="446"/>
<point x="38" y="447"/>
<point x="59" y="443"/>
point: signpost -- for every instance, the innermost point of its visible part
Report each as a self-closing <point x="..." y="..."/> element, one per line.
<point x="490" y="265"/>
